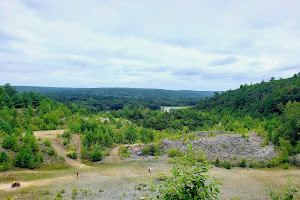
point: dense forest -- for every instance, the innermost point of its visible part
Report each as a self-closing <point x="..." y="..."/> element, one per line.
<point x="271" y="109"/>
<point x="102" y="99"/>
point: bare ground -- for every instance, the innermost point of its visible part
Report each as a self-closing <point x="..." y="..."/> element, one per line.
<point x="61" y="151"/>
<point x="116" y="178"/>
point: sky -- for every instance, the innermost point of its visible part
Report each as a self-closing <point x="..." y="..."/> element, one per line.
<point x="167" y="44"/>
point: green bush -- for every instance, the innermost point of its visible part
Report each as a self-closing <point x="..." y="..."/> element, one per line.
<point x="51" y="152"/>
<point x="96" y="155"/>
<point x="65" y="142"/>
<point x="58" y="194"/>
<point x="243" y="163"/>
<point x="153" y="150"/>
<point x="84" y="153"/>
<point x="124" y="152"/>
<point x="47" y="142"/>
<point x="175" y="152"/>
<point x="190" y="179"/>
<point x="226" y="164"/>
<point x="286" y="191"/>
<point x="217" y="162"/>
<point x="72" y="154"/>
<point x="10" y="142"/>
<point x="66" y="134"/>
<point x="251" y="163"/>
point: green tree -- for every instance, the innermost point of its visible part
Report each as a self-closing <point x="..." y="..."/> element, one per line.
<point x="96" y="155"/>
<point x="9" y="89"/>
<point x="34" y="144"/>
<point x="24" y="157"/>
<point x="190" y="179"/>
<point x="3" y="157"/>
<point x="131" y="134"/>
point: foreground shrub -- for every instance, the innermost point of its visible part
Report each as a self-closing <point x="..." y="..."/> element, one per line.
<point x="286" y="191"/>
<point x="190" y="179"/>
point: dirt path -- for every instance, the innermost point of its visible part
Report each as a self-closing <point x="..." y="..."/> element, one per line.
<point x="114" y="156"/>
<point x="57" y="145"/>
<point x="117" y="179"/>
<point x="7" y="187"/>
<point x="76" y="141"/>
<point x="18" y="172"/>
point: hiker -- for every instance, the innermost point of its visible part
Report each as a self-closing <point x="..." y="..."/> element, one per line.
<point x="81" y="174"/>
<point x="77" y="175"/>
<point x="149" y="170"/>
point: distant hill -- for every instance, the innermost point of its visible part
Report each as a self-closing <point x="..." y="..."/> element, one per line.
<point x="261" y="99"/>
<point x="117" y="92"/>
<point x="98" y="99"/>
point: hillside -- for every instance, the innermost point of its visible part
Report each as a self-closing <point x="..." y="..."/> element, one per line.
<point x="99" y="99"/>
<point x="261" y="99"/>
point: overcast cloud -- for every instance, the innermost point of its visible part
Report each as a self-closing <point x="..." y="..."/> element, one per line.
<point x="168" y="44"/>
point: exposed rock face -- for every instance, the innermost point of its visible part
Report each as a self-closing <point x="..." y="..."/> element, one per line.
<point x="225" y="146"/>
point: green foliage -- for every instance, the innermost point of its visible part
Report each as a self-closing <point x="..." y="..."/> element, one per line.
<point x="96" y="155"/>
<point x="51" y="152"/>
<point x="84" y="153"/>
<point x="217" y="162"/>
<point x="47" y="142"/>
<point x="190" y="179"/>
<point x="153" y="150"/>
<point x="284" y="154"/>
<point x="226" y="164"/>
<point x="286" y="191"/>
<point x="146" y="135"/>
<point x="3" y="157"/>
<point x="72" y="153"/>
<point x="242" y="163"/>
<point x="24" y="158"/>
<point x="10" y="142"/>
<point x="5" y="163"/>
<point x="39" y="159"/>
<point x="175" y="152"/>
<point x="124" y="152"/>
<point x="285" y="165"/>
<point x="58" y="194"/>
<point x="131" y="134"/>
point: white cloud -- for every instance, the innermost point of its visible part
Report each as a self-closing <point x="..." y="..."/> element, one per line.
<point x="199" y="45"/>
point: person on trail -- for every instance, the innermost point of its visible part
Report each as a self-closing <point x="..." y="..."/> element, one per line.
<point x="77" y="175"/>
<point x="81" y="174"/>
<point x="14" y="182"/>
<point x="149" y="170"/>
